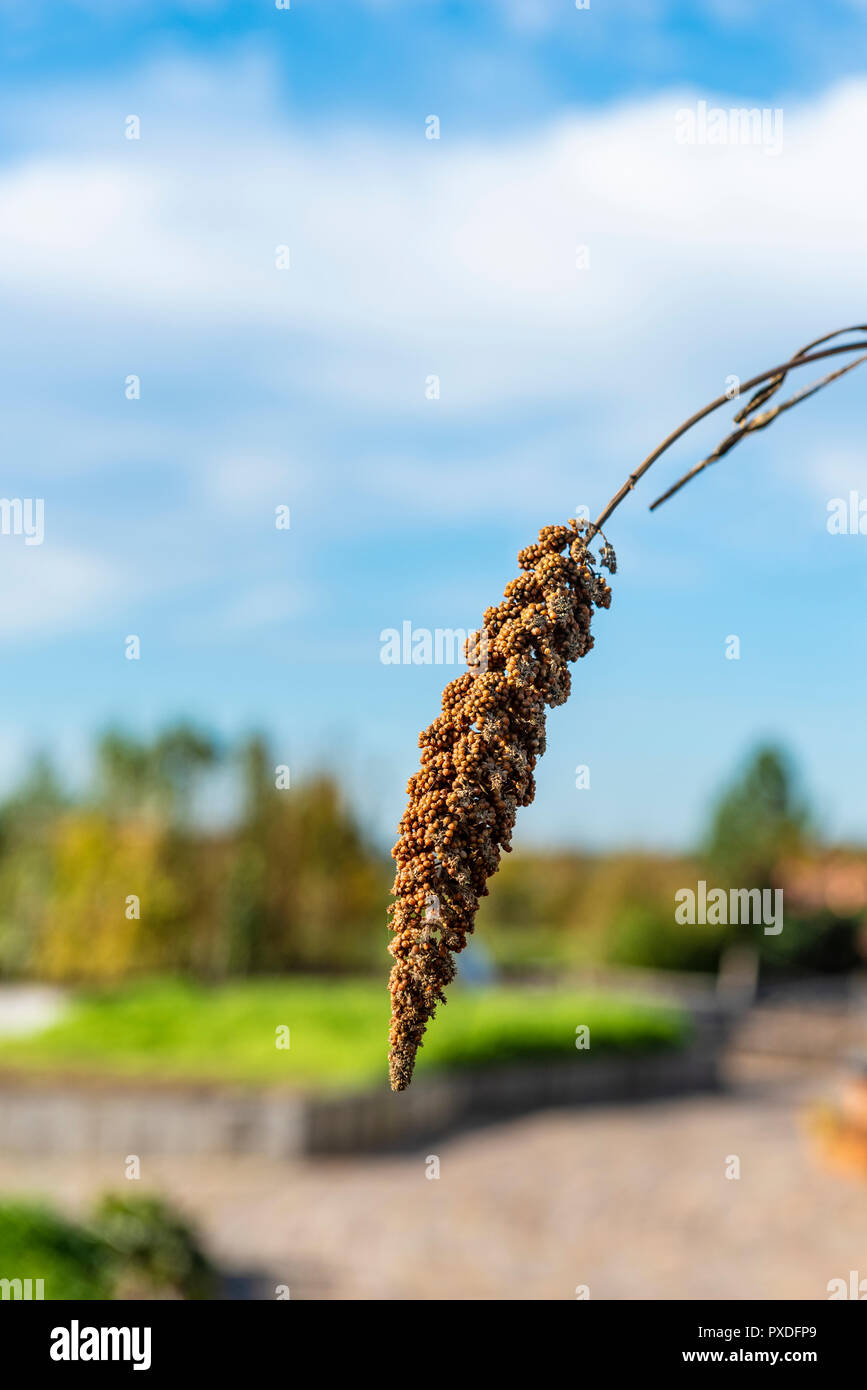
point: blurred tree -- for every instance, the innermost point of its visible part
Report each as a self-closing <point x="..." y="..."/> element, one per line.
<point x="304" y="887"/>
<point x="28" y="821"/>
<point x="759" y="821"/>
<point x="112" y="906"/>
<point x="157" y="779"/>
<point x="179" y="756"/>
<point x="247" y="918"/>
<point x="34" y="803"/>
<point x="121" y="773"/>
<point x="759" y="824"/>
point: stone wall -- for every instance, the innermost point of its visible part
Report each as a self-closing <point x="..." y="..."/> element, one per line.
<point x="132" y="1118"/>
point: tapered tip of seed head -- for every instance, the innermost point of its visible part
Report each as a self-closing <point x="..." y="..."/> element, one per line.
<point x="400" y="1067"/>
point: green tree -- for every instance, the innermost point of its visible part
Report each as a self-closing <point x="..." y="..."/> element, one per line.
<point x="758" y="821"/>
<point x="158" y="779"/>
<point x="29" y="820"/>
<point x="37" y="801"/>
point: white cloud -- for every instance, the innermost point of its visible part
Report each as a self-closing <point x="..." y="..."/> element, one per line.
<point x="52" y="589"/>
<point x="250" y="483"/>
<point x="832" y="472"/>
<point x="458" y="257"/>
<point x="412" y="257"/>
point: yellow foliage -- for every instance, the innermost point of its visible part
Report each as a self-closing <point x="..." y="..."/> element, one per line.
<point x="113" y="906"/>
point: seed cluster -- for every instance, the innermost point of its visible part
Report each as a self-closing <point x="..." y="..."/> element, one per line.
<point x="476" y="769"/>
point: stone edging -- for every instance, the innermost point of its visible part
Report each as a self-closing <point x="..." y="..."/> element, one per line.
<point x="64" y="1118"/>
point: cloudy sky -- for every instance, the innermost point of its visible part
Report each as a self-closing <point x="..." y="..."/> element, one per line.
<point x="579" y="280"/>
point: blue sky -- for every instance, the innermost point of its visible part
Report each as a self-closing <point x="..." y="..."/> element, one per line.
<point x="410" y="257"/>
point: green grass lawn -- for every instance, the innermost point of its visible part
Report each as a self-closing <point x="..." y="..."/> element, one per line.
<point x="338" y="1031"/>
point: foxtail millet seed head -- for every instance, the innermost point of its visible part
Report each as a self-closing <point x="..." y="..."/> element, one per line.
<point x="476" y="769"/>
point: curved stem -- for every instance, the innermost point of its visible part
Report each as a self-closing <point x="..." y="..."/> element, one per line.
<point x="758" y="422"/>
<point x="799" y="360"/>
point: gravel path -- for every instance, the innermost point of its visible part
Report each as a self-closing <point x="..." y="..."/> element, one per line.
<point x="632" y="1201"/>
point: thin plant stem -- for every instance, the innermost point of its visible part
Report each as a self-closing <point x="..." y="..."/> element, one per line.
<point x="758" y="422"/>
<point x="770" y="381"/>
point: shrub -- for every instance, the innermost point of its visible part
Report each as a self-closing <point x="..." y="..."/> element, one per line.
<point x="35" y="1243"/>
<point x="151" y="1251"/>
<point x="135" y="1247"/>
<point x="650" y="938"/>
